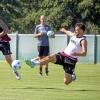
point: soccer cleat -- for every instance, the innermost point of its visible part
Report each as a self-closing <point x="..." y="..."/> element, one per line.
<point x="30" y="63"/>
<point x="73" y="77"/>
<point x="17" y="75"/>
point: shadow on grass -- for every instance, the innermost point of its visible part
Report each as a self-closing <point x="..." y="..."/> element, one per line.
<point x="54" y="89"/>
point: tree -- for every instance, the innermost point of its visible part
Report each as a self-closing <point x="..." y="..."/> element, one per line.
<point x="23" y="15"/>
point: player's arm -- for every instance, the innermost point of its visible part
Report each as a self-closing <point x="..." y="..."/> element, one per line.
<point x="67" y="32"/>
<point x="2" y="33"/>
<point x="83" y="51"/>
<point x="36" y="33"/>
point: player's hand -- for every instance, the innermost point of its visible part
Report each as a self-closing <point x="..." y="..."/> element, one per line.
<point x="38" y="35"/>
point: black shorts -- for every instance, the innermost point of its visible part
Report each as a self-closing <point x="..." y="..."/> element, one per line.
<point x="5" y="48"/>
<point x="43" y="51"/>
<point x="67" y="62"/>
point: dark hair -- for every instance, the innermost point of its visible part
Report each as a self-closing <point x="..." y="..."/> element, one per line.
<point x="81" y="26"/>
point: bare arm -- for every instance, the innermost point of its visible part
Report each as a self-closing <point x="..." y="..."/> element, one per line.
<point x="83" y="51"/>
<point x="2" y="33"/>
<point x="37" y="35"/>
<point x="67" y="32"/>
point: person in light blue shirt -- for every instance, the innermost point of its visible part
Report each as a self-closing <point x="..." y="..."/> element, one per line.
<point x="43" y="41"/>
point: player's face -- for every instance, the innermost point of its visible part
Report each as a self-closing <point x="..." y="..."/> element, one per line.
<point x="78" y="30"/>
<point x="42" y="19"/>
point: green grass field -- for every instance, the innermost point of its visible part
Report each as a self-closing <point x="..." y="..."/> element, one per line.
<point x="34" y="87"/>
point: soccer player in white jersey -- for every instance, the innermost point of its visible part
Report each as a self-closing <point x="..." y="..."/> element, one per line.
<point x="69" y="57"/>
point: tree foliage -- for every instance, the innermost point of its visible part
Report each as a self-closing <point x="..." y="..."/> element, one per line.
<point x="23" y="15"/>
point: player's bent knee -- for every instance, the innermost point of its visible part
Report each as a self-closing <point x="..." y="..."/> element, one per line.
<point x="67" y="82"/>
<point x="67" y="79"/>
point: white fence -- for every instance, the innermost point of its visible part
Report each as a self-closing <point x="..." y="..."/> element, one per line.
<point x="25" y="46"/>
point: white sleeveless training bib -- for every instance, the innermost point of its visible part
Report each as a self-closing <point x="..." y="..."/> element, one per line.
<point x="74" y="45"/>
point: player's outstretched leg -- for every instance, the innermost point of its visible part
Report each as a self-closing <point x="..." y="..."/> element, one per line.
<point x="32" y="62"/>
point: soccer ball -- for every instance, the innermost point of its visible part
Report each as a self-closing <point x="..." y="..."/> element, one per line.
<point x="50" y="33"/>
<point x="16" y="64"/>
<point x="73" y="77"/>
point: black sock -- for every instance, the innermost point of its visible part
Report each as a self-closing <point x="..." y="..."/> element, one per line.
<point x="40" y="69"/>
<point x="46" y="70"/>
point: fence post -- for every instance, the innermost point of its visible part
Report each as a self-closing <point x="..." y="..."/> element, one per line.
<point x="17" y="45"/>
<point x="68" y="39"/>
<point x="95" y="48"/>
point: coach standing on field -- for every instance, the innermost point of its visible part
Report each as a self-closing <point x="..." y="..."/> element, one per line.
<point x="43" y="41"/>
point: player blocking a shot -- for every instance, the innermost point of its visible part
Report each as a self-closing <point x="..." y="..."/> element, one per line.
<point x="69" y="57"/>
